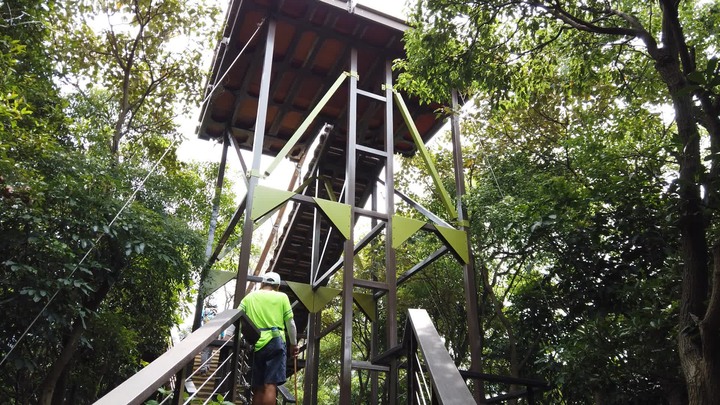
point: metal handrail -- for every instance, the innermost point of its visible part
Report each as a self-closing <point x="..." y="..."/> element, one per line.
<point x="448" y="386"/>
<point x="145" y="382"/>
<point x="210" y="377"/>
<point x="448" y="383"/>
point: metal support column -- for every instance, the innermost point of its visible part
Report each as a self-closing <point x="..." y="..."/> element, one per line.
<point x="179" y="389"/>
<point x="216" y="197"/>
<point x="349" y="254"/>
<point x="411" y="370"/>
<point x="254" y="175"/>
<point x="469" y="277"/>
<point x="312" y="350"/>
<point x="390" y="259"/>
<point x="375" y="329"/>
<point x="312" y="359"/>
<point x="259" y="136"/>
<point x="197" y="319"/>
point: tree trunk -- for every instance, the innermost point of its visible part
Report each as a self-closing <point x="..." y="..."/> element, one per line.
<point x="60" y="387"/>
<point x="694" y="249"/>
<point x="599" y="397"/>
<point x="695" y="259"/>
<point x="47" y="388"/>
<point x="710" y="336"/>
<point x="693" y="220"/>
<point x="698" y="339"/>
<point x="118" y="131"/>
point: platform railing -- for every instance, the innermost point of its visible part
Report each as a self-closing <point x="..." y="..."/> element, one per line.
<point x="433" y="378"/>
<point x="175" y="364"/>
<point x="432" y="375"/>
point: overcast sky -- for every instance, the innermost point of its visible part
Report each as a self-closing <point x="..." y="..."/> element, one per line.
<point x="392" y="7"/>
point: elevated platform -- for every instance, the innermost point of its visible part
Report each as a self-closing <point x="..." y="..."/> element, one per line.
<point x="312" y="46"/>
<point x="283" y="70"/>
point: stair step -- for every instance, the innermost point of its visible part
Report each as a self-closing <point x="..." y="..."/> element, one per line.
<point x="199" y="379"/>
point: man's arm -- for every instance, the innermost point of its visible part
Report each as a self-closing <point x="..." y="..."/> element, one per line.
<point x="292" y="336"/>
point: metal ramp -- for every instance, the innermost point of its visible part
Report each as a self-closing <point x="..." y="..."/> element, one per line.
<point x="431" y="374"/>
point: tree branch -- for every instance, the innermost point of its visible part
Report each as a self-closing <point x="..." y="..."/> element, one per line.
<point x="672" y="30"/>
<point x="712" y="316"/>
<point x="635" y="30"/>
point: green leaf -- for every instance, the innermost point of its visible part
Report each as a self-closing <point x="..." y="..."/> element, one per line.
<point x="697" y="77"/>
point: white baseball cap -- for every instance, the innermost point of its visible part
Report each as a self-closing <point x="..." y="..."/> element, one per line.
<point x="271" y="278"/>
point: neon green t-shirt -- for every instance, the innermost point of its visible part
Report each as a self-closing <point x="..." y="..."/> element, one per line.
<point x="268" y="310"/>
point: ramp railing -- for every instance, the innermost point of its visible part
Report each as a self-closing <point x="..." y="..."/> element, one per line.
<point x="433" y="378"/>
<point x="175" y="365"/>
<point x="432" y="375"/>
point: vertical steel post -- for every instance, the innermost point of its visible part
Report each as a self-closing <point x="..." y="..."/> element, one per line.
<point x="317" y="230"/>
<point x="348" y="267"/>
<point x="469" y="277"/>
<point x="312" y="350"/>
<point x="312" y="360"/>
<point x="216" y="197"/>
<point x="234" y="363"/>
<point x="259" y="137"/>
<point x="179" y="386"/>
<point x="374" y="382"/>
<point x="375" y="329"/>
<point x="412" y="387"/>
<point x="390" y="259"/>
<point x="197" y="319"/>
<point x="254" y="175"/>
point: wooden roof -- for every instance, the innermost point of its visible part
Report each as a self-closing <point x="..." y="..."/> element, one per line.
<point x="313" y="41"/>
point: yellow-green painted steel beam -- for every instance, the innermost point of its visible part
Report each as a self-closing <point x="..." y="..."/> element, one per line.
<point x="305" y="124"/>
<point x="314" y="300"/>
<point x="304" y="184"/>
<point x="267" y="199"/>
<point x="366" y="303"/>
<point x="216" y="279"/>
<point x="457" y="240"/>
<point x="444" y="196"/>
<point x="329" y="189"/>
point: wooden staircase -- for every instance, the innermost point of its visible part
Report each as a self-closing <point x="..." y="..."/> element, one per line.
<point x="204" y="382"/>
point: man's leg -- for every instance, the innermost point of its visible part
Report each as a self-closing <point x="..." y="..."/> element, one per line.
<point x="264" y="395"/>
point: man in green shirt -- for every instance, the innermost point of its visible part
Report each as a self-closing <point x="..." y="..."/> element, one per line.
<point x="269" y="309"/>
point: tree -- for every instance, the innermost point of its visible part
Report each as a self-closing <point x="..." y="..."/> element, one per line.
<point x="95" y="279"/>
<point x="139" y="267"/>
<point x="573" y="241"/>
<point x="498" y="47"/>
<point x="570" y="235"/>
<point x="145" y="55"/>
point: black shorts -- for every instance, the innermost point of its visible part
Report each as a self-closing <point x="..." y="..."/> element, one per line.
<point x="269" y="364"/>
